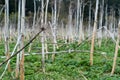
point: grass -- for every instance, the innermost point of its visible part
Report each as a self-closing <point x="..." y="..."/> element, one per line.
<point x="74" y="66"/>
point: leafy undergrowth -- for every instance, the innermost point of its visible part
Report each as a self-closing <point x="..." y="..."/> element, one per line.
<point x="73" y="66"/>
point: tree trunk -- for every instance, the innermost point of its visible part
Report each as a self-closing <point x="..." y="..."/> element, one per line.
<point x="100" y="24"/>
<point x="77" y="19"/>
<point x="94" y="34"/>
<point x="33" y="26"/>
<point x="42" y="39"/>
<point x="46" y="12"/>
<point x="19" y="31"/>
<point x="89" y="23"/>
<point x="70" y="36"/>
<point x="7" y="31"/>
<point x="116" y="51"/>
<point x="82" y="5"/>
<point x="22" y="40"/>
<point x="106" y="20"/>
<point x="54" y="30"/>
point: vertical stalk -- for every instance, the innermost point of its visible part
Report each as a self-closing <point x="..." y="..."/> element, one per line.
<point x="19" y="27"/>
<point x="114" y="23"/>
<point x="22" y="59"/>
<point x="42" y="39"/>
<point x="70" y="24"/>
<point x="116" y="51"/>
<point x="111" y="20"/>
<point x="46" y="10"/>
<point x="33" y="26"/>
<point x="81" y="20"/>
<point x="80" y="29"/>
<point x="59" y="7"/>
<point x="77" y="21"/>
<point x="7" y="31"/>
<point x="106" y="20"/>
<point x="54" y="30"/>
<point x="43" y="52"/>
<point x="89" y="23"/>
<point x="101" y="21"/>
<point x="63" y="30"/>
<point x="94" y="33"/>
<point x="22" y="40"/>
<point x="46" y="46"/>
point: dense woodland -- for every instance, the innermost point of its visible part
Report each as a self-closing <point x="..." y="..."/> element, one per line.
<point x="62" y="10"/>
<point x="34" y="32"/>
<point x="64" y="6"/>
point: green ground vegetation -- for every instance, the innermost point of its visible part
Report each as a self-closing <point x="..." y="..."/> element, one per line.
<point x="68" y="66"/>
